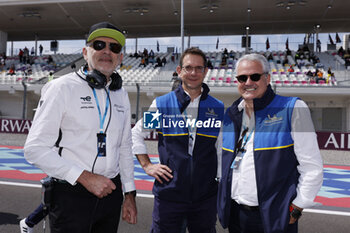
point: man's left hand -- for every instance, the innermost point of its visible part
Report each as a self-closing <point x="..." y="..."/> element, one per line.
<point x="129" y="211"/>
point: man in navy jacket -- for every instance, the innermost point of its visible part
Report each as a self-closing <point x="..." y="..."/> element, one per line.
<point x="190" y="120"/>
<point x="271" y="164"/>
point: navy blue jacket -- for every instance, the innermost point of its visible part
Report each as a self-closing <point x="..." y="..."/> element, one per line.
<point x="274" y="158"/>
<point x="194" y="177"/>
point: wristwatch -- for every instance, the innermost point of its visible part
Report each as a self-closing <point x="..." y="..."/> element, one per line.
<point x="131" y="192"/>
<point x="294" y="212"/>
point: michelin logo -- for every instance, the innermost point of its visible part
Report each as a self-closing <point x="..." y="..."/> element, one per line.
<point x="152" y="120"/>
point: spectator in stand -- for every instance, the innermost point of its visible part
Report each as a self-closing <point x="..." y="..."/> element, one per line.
<point x="318" y="46"/>
<point x="163" y="61"/>
<point x="41" y="48"/>
<point x="159" y="62"/>
<point x="270" y="57"/>
<point x="291" y="69"/>
<point x="151" y="54"/>
<point x="151" y="60"/>
<point x="209" y="64"/>
<point x="32" y="51"/>
<point x="143" y="62"/>
<point x="175" y="75"/>
<point x="145" y="52"/>
<point x="231" y="54"/>
<point x="329" y="71"/>
<point x="50" y="60"/>
<point x="341" y="51"/>
<point x="25" y="55"/>
<point x="225" y="53"/>
<point x="12" y="70"/>
<point x="20" y="55"/>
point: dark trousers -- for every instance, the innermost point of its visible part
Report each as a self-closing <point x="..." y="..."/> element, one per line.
<point x="173" y="217"/>
<point x="246" y="220"/>
<point x="36" y="216"/>
<point x="77" y="210"/>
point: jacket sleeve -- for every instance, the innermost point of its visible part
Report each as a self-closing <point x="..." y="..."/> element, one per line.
<point x="39" y="148"/>
<point x="126" y="161"/>
<point x="308" y="155"/>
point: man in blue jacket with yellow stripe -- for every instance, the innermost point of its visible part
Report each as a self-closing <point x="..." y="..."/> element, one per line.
<point x="271" y="164"/>
<point x="188" y="121"/>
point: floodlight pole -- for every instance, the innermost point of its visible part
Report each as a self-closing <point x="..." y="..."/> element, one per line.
<point x="247" y="40"/>
<point x="182" y="27"/>
<point x="136" y="45"/>
<point x="36" y="45"/>
<point x="137" y="102"/>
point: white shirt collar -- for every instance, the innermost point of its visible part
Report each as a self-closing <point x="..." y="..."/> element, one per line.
<point x="241" y="105"/>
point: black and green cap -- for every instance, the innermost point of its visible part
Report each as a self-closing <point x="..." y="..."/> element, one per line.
<point x="106" y="29"/>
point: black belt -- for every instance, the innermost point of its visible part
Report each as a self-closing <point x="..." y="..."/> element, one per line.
<point x="249" y="208"/>
<point x="245" y="207"/>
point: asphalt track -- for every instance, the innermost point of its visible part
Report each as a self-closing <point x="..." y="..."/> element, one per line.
<point x="20" y="194"/>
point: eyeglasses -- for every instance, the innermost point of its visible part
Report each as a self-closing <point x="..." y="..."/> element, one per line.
<point x="197" y="69"/>
<point x="99" y="45"/>
<point x="254" y="77"/>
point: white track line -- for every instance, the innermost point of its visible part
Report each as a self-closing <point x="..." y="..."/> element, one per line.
<point x="151" y="196"/>
<point x="21" y="184"/>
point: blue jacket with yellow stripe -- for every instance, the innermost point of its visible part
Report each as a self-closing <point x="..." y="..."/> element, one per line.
<point x="274" y="158"/>
<point x="194" y="177"/>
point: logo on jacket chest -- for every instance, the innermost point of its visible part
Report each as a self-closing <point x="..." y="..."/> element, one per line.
<point x="272" y="120"/>
<point x="85" y="102"/>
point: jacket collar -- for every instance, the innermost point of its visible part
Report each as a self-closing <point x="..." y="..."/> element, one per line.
<point x="261" y="103"/>
<point x="184" y="99"/>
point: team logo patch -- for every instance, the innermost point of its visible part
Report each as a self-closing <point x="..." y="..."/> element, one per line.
<point x="273" y="120"/>
<point x="211" y="113"/>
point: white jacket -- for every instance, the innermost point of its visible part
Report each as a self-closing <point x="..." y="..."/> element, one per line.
<point x="68" y="104"/>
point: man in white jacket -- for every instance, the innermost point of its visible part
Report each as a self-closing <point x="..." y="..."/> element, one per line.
<point x="81" y="137"/>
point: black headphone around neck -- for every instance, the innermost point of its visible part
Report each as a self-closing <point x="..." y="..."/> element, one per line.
<point x="97" y="80"/>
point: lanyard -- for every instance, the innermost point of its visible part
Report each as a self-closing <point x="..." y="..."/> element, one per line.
<point x="241" y="151"/>
<point x="102" y="120"/>
<point x="246" y="138"/>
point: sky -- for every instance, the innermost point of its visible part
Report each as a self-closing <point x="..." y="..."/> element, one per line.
<point x="206" y="43"/>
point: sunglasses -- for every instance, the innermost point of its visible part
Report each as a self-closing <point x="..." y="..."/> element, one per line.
<point x="99" y="45"/>
<point x="254" y="77"/>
